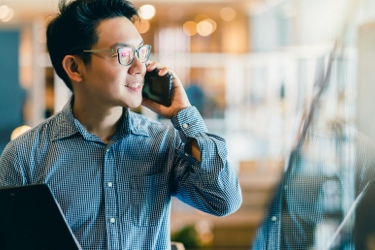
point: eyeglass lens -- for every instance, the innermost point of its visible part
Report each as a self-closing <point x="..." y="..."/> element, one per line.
<point x="126" y="54"/>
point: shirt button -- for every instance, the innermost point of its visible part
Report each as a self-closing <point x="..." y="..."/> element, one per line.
<point x="185" y="125"/>
<point x="109" y="184"/>
<point x="112" y="220"/>
<point x="274" y="218"/>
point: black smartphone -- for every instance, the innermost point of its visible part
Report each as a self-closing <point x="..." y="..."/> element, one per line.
<point x="158" y="88"/>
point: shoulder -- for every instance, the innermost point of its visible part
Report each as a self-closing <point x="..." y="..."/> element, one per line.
<point x="38" y="134"/>
<point x="144" y="124"/>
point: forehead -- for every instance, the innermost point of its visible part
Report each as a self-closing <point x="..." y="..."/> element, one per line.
<point x="117" y="30"/>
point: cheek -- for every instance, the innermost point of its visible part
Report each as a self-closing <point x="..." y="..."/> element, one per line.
<point x="107" y="76"/>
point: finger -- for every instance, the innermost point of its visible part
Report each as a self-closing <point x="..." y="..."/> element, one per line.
<point x="164" y="71"/>
<point x="150" y="65"/>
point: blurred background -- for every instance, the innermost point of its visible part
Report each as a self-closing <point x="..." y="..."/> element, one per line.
<point x="249" y="66"/>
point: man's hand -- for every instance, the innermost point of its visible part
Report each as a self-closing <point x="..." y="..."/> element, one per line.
<point x="179" y="99"/>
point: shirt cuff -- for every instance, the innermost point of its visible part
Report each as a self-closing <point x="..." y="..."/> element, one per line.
<point x="189" y="123"/>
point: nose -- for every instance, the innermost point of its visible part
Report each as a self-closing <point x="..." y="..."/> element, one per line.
<point x="136" y="67"/>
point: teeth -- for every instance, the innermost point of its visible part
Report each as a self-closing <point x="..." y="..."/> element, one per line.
<point x="134" y="85"/>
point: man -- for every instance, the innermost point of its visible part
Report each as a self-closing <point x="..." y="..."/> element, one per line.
<point x="113" y="171"/>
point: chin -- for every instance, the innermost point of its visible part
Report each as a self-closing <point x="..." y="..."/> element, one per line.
<point x="133" y="105"/>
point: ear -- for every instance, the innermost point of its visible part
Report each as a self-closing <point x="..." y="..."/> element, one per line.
<point x="73" y="67"/>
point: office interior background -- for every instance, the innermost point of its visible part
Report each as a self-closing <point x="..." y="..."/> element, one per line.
<point x="250" y="67"/>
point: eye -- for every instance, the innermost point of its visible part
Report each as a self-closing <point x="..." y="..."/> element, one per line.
<point x="124" y="53"/>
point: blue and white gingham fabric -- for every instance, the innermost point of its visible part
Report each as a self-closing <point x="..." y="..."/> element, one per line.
<point x="118" y="195"/>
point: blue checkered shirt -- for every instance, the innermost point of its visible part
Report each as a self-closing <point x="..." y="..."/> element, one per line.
<point x="118" y="195"/>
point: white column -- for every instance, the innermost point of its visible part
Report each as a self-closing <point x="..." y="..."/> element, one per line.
<point x="366" y="79"/>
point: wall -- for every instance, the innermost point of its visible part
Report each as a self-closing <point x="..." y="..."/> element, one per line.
<point x="11" y="94"/>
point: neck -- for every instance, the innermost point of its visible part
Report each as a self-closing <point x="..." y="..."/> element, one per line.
<point x="99" y="121"/>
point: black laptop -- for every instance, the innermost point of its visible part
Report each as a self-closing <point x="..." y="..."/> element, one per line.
<point x="30" y="218"/>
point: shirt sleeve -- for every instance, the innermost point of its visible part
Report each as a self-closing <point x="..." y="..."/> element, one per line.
<point x="10" y="170"/>
<point x="211" y="185"/>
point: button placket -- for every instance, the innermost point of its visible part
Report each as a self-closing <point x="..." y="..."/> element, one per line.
<point x="111" y="209"/>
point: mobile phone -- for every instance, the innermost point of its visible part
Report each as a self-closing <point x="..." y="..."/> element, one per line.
<point x="158" y="88"/>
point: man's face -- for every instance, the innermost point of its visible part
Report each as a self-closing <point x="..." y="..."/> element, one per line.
<point x="106" y="82"/>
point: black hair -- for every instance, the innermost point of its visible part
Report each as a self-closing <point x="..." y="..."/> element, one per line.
<point x="74" y="28"/>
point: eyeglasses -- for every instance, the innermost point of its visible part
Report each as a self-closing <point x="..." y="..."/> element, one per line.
<point x="127" y="54"/>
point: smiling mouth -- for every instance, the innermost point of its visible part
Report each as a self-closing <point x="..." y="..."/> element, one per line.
<point x="134" y="85"/>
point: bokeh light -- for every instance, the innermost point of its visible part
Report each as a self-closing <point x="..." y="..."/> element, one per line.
<point x="19" y="131"/>
<point x="213" y="23"/>
<point x="147" y="11"/>
<point x="142" y="26"/>
<point x="204" y="28"/>
<point x="190" y="28"/>
<point x="228" y="14"/>
<point x="6" y="13"/>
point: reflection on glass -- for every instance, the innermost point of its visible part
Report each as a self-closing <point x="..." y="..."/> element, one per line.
<point x="324" y="199"/>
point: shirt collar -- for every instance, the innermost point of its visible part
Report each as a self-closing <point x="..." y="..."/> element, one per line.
<point x="65" y="126"/>
<point x="137" y="123"/>
<point x="131" y="123"/>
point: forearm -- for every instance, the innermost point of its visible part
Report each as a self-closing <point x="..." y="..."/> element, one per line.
<point x="211" y="185"/>
<point x="205" y="180"/>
